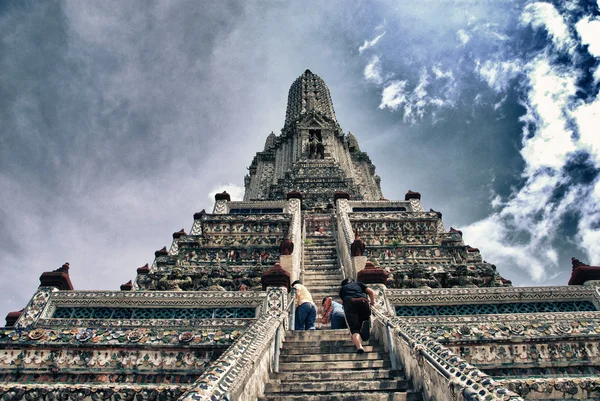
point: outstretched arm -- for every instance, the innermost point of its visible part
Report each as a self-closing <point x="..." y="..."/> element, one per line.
<point x="371" y="295"/>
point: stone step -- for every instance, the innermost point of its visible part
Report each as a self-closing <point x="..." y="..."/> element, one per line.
<point x="344" y="396"/>
<point x="319" y="273"/>
<point x="344" y="341"/>
<point x="335" y="288"/>
<point x="334" y="278"/>
<point x="339" y="365"/>
<point x="314" y="283"/>
<point x="320" y="249"/>
<point x="327" y="348"/>
<point x="318" y="267"/>
<point x="315" y="335"/>
<point x="311" y="283"/>
<point x="365" y="374"/>
<point x="322" y="269"/>
<point x="354" y="384"/>
<point x="348" y="356"/>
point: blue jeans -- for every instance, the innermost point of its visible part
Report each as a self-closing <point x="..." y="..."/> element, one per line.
<point x="338" y="321"/>
<point x="306" y="314"/>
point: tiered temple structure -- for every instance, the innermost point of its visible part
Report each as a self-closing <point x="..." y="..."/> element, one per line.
<point x="210" y="318"/>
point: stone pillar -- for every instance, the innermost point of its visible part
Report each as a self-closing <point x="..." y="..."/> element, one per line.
<point x="287" y="263"/>
<point x="358" y="264"/>
<point x="221" y="200"/>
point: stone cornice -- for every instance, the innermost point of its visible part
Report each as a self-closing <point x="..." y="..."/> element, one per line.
<point x="448" y="296"/>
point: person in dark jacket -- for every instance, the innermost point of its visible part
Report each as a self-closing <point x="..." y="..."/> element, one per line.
<point x="357" y="300"/>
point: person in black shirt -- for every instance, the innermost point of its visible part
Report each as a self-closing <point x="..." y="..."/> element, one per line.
<point x="358" y="310"/>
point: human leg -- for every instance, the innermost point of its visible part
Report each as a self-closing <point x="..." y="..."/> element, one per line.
<point x="357" y="343"/>
<point x="364" y="316"/>
<point x="352" y="317"/>
<point x="311" y="316"/>
<point x="338" y="321"/>
<point x="300" y="317"/>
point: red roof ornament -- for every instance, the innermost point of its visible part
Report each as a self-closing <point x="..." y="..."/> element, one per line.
<point x="161" y="252"/>
<point x="223" y="196"/>
<point x="412" y="195"/>
<point x="583" y="272"/>
<point x="58" y="278"/>
<point x="275" y="276"/>
<point x="144" y="269"/>
<point x="179" y="234"/>
<point x="200" y="214"/>
<point x="372" y="274"/>
<point x="127" y="286"/>
<point x="12" y="317"/>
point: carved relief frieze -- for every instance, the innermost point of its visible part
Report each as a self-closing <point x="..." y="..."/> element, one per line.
<point x="513" y="327"/>
<point x="112" y="392"/>
<point x="119" y="334"/>
<point x="576" y="388"/>
<point x="530" y="354"/>
<point x="478" y="295"/>
<point x="112" y="360"/>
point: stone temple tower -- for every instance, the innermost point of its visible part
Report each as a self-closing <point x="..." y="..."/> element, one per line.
<point x="312" y="154"/>
<point x="211" y="317"/>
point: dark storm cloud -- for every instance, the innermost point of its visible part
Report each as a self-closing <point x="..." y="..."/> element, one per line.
<point x="119" y="119"/>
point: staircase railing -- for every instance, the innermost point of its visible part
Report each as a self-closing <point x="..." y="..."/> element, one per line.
<point x="344" y="237"/>
<point x="334" y="233"/>
<point x="433" y="368"/>
<point x="291" y="308"/>
<point x="240" y="372"/>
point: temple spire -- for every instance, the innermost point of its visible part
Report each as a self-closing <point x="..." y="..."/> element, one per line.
<point x="309" y="94"/>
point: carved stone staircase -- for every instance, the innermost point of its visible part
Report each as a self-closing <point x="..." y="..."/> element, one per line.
<point x="322" y="274"/>
<point x="322" y="365"/>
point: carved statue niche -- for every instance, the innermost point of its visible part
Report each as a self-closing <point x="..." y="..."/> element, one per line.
<point x="358" y="246"/>
<point x="286" y="247"/>
<point x="316" y="148"/>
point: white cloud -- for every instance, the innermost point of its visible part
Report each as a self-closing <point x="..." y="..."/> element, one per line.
<point x="370" y="43"/>
<point x="415" y="103"/>
<point x="588" y="229"/>
<point x="439" y="74"/>
<point x="498" y="73"/>
<point x="463" y="36"/>
<point x="550" y="91"/>
<point x="523" y="231"/>
<point x="393" y="95"/>
<point x="587" y="116"/>
<point x="589" y="30"/>
<point x="372" y="72"/>
<point x="544" y="15"/>
<point x="493" y="233"/>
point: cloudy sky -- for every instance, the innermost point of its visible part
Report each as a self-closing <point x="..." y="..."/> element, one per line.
<point x="120" y="119"/>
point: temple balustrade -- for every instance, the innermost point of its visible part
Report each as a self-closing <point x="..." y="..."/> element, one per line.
<point x="123" y="339"/>
<point x="502" y="333"/>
